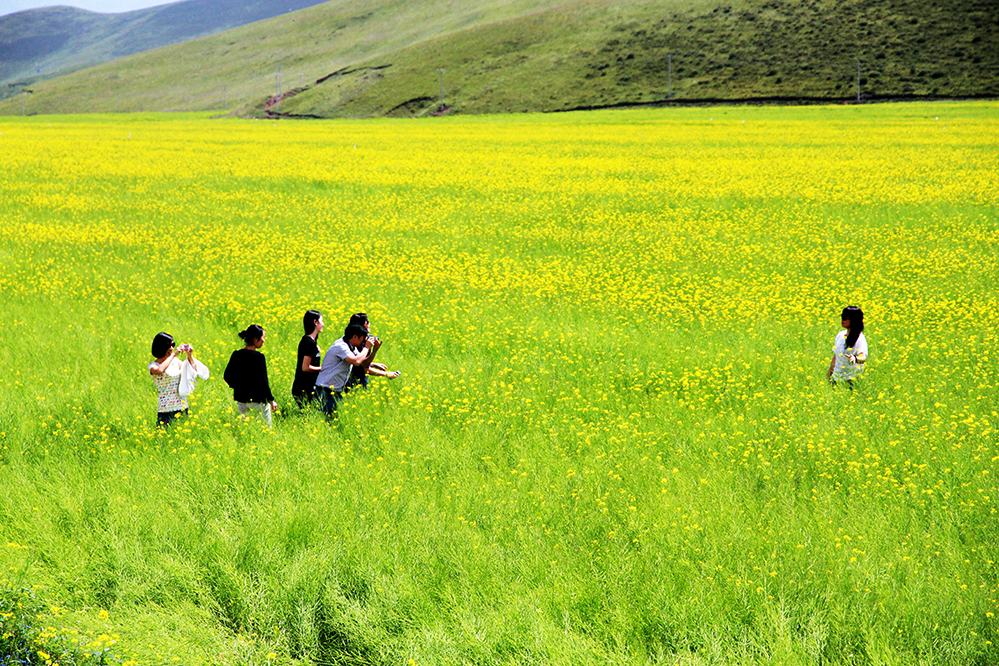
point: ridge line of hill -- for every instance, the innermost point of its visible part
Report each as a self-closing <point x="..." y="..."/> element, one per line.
<point x="39" y="44"/>
<point x="538" y="55"/>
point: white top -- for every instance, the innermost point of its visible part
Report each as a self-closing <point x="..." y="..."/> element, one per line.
<point x="844" y="368"/>
<point x="336" y="370"/>
<point x="189" y="376"/>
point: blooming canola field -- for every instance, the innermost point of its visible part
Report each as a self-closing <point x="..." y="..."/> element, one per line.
<point x="612" y="441"/>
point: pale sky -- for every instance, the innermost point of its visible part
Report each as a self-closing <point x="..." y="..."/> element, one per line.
<point x="105" y="6"/>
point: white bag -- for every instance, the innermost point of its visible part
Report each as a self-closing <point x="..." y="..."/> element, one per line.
<point x="189" y="376"/>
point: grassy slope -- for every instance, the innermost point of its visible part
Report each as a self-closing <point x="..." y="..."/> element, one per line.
<point x="586" y="54"/>
<point x="545" y="56"/>
<point x="306" y="45"/>
<point x="43" y="43"/>
<point x="30" y="43"/>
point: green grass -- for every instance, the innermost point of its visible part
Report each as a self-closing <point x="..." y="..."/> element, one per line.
<point x="612" y="442"/>
<point x="588" y="54"/>
<point x="546" y="56"/>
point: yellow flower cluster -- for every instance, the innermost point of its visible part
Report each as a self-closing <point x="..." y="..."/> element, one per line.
<point x="613" y="330"/>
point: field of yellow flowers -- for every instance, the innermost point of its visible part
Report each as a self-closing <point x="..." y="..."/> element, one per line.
<point x="612" y="441"/>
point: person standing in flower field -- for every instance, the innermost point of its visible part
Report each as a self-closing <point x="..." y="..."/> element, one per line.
<point x="340" y="358"/>
<point x="849" y="348"/>
<point x="359" y="373"/>
<point x="309" y="359"/>
<point x="174" y="381"/>
<point x="246" y="375"/>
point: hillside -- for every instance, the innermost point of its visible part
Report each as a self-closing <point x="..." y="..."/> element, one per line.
<point x="334" y="61"/>
<point x="39" y="44"/>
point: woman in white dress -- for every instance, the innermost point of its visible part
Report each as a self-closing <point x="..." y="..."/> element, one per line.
<point x="849" y="348"/>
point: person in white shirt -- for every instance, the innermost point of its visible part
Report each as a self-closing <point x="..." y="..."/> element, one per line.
<point x="338" y="361"/>
<point x="849" y="348"/>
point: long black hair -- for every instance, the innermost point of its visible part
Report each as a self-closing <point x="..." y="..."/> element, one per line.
<point x="252" y="333"/>
<point x="856" y="317"/>
<point x="310" y="320"/>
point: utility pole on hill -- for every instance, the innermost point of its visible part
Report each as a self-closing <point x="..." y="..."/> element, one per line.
<point x="441" y="70"/>
<point x="277" y="103"/>
<point x="669" y="85"/>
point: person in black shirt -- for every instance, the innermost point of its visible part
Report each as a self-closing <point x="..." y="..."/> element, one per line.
<point x="246" y="375"/>
<point x="359" y="373"/>
<point x="309" y="359"/>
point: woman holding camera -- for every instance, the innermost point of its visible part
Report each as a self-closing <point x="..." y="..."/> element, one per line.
<point x="246" y="375"/>
<point x="166" y="372"/>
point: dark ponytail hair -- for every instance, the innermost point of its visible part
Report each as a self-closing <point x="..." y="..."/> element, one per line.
<point x="310" y="320"/>
<point x="359" y="318"/>
<point x="161" y="344"/>
<point x="856" y="317"/>
<point x="252" y="333"/>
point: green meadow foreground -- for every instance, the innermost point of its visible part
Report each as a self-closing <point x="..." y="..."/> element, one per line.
<point x="612" y="441"/>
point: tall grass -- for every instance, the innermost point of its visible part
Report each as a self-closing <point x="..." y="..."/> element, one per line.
<point x="612" y="441"/>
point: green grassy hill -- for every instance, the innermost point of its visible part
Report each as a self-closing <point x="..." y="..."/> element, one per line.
<point x="333" y="60"/>
<point x="39" y="44"/>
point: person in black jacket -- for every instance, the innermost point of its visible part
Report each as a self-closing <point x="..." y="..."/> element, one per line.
<point x="246" y="375"/>
<point x="358" y="374"/>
